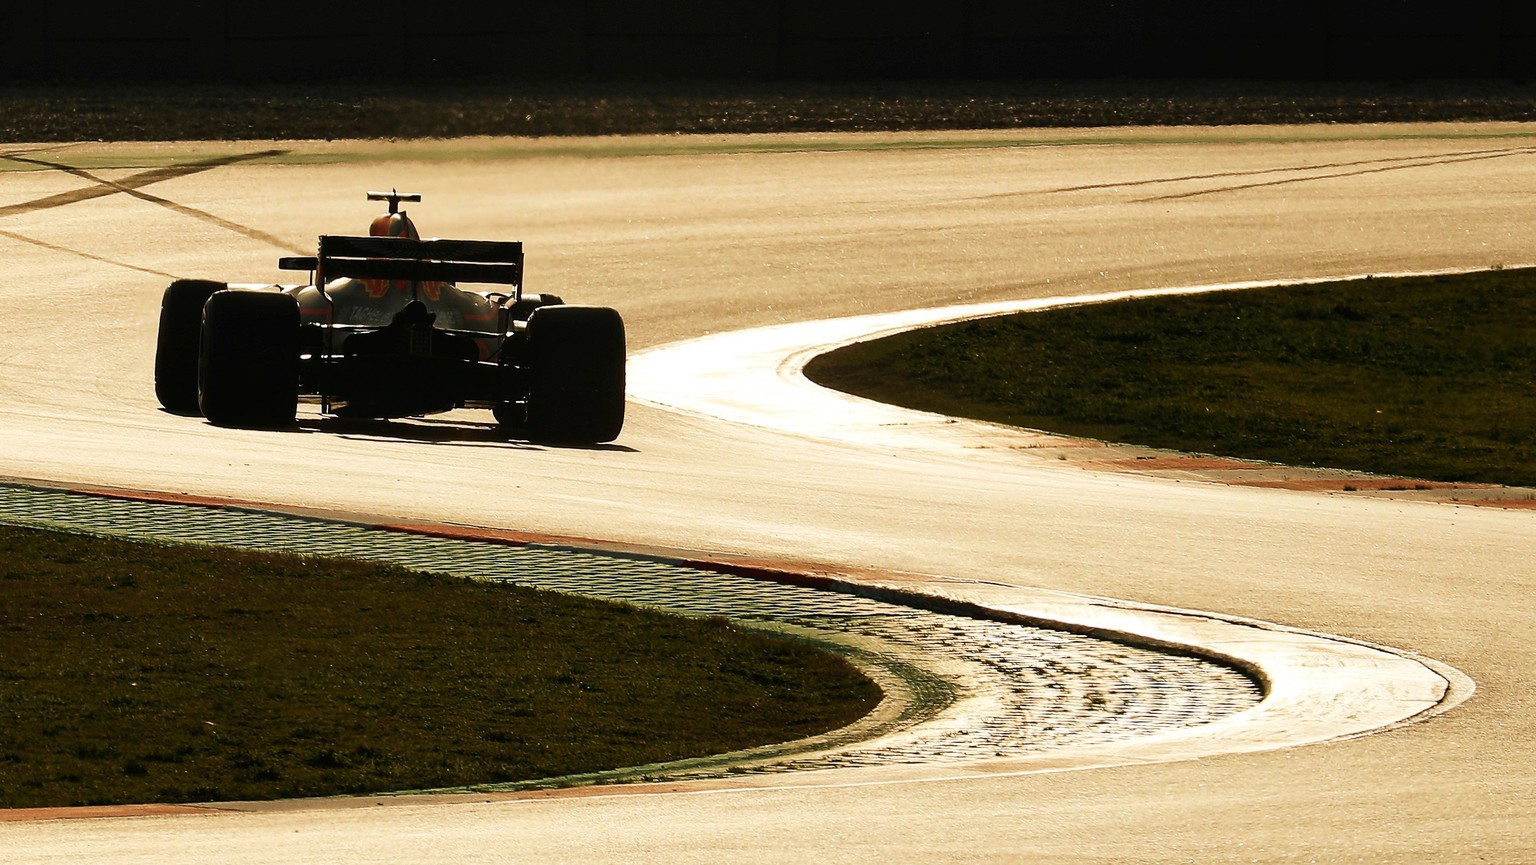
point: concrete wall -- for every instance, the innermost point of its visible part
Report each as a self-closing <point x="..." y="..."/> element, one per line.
<point x="291" y="40"/>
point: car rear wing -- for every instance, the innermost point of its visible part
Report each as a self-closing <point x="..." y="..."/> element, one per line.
<point x="499" y="262"/>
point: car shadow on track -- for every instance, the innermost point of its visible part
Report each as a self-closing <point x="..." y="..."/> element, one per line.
<point x="439" y="432"/>
<point x="459" y="433"/>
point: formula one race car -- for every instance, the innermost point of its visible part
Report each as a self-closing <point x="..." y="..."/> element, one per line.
<point x="384" y="331"/>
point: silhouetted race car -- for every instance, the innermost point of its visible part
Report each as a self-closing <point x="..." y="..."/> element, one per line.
<point x="383" y="330"/>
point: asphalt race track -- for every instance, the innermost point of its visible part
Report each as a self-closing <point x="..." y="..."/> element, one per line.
<point x="697" y="236"/>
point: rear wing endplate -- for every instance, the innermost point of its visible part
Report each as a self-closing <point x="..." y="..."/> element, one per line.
<point x="499" y="262"/>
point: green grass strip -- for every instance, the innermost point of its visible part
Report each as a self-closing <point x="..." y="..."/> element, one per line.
<point x="145" y="673"/>
<point x="98" y="110"/>
<point x="1425" y="377"/>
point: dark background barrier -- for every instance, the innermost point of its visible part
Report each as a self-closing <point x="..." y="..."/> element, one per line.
<point x="284" y="40"/>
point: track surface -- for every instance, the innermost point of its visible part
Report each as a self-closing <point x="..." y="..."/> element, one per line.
<point x="695" y="236"/>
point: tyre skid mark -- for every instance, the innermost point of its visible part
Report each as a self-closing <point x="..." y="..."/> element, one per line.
<point x="133" y="186"/>
<point x="1380" y="169"/>
<point x="53" y="247"/>
<point x="1383" y="164"/>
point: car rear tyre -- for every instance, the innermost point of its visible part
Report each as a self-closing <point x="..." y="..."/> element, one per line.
<point x="248" y="362"/>
<point x="181" y="324"/>
<point x="576" y="374"/>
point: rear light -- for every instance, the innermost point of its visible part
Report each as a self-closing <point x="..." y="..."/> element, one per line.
<point x="420" y="341"/>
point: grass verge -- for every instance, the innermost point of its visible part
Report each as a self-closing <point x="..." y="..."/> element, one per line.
<point x="145" y="673"/>
<point x="1424" y="377"/>
<point x="110" y="111"/>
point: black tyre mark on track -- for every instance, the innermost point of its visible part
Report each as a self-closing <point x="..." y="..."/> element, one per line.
<point x="1449" y="159"/>
<point x="52" y="247"/>
<point x="41" y="148"/>
<point x="1364" y="166"/>
<point x="1392" y="162"/>
<point x="133" y="184"/>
